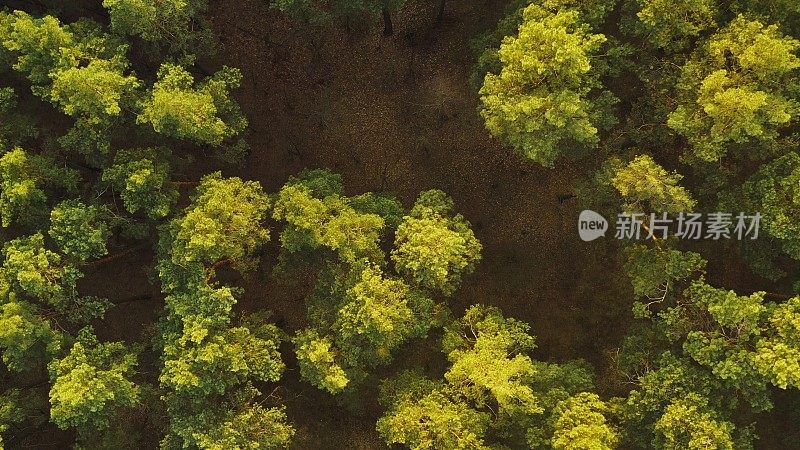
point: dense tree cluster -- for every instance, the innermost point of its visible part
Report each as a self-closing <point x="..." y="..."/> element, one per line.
<point x="360" y="310"/>
<point x="708" y="89"/>
<point x="668" y="107"/>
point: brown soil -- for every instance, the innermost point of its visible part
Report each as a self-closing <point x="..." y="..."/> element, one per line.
<point x="397" y="114"/>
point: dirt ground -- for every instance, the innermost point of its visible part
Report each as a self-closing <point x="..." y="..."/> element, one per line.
<point x="397" y="114"/>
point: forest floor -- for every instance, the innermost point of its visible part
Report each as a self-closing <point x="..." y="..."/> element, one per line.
<point x="398" y="115"/>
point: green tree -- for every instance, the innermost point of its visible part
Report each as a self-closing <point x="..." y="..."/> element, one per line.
<point x="685" y="425"/>
<point x="21" y="406"/>
<point x="38" y="273"/>
<point x="241" y="423"/>
<point x="542" y="97"/>
<point x="674" y="25"/>
<point x="678" y="405"/>
<point x="142" y="177"/>
<point x="80" y="231"/>
<point x="205" y="361"/>
<point x="93" y="92"/>
<point x="316" y="357"/>
<point x="376" y="318"/>
<point x="358" y="324"/>
<point x="361" y="312"/>
<point x="179" y="107"/>
<point x="434" y="247"/>
<point x="744" y="323"/>
<point x="25" y="182"/>
<point x="489" y="361"/>
<point x="422" y="415"/>
<point x="34" y="44"/>
<point x="209" y="362"/>
<point x="581" y="424"/>
<point x="223" y="225"/>
<point x="208" y="366"/>
<point x="8" y="414"/>
<point x="487" y="45"/>
<point x="176" y="25"/>
<point x="500" y="395"/>
<point x="773" y="191"/>
<point x="737" y="89"/>
<point x="327" y="222"/>
<point x="655" y="271"/>
<point x="645" y="186"/>
<point x="25" y="338"/>
<point x="90" y="382"/>
<point x="78" y="68"/>
<point x="733" y="350"/>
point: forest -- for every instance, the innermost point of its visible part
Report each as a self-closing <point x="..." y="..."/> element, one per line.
<point x="422" y="224"/>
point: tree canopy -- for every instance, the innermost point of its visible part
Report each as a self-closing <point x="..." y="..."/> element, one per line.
<point x="179" y="270"/>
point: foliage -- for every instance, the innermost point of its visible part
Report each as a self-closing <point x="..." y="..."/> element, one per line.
<point x="773" y="191"/>
<point x="173" y="23"/>
<point x="685" y="406"/>
<point x="539" y="101"/>
<point x="422" y="416"/>
<point x="25" y="338"/>
<point x="106" y="108"/>
<point x="744" y="323"/>
<point x="735" y="347"/>
<point x="91" y="380"/>
<point x="489" y="365"/>
<point x="80" y="231"/>
<point x="35" y="43"/>
<point x="737" y="89"/>
<point x="654" y="271"/>
<point x="209" y="363"/>
<point x="673" y="25"/>
<point x="582" y="425"/>
<point x="486" y="45"/>
<point x="18" y="407"/>
<point x="25" y="181"/>
<point x="360" y="314"/>
<point x="203" y="112"/>
<point x="38" y="273"/>
<point x="76" y="67"/>
<point x="328" y="222"/>
<point x="224" y="222"/>
<point x="241" y="423"/>
<point x="684" y="425"/>
<point x="317" y="359"/>
<point x="8" y="414"/>
<point x="492" y="391"/>
<point x="376" y="319"/>
<point x="646" y="186"/>
<point x="142" y="177"/>
<point x="203" y="361"/>
<point x="433" y="247"/>
<point x="94" y="91"/>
